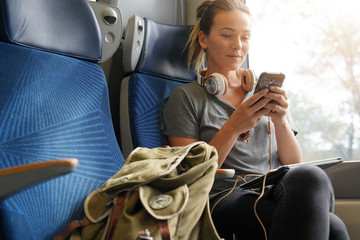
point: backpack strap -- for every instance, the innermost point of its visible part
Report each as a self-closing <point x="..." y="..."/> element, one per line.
<point x="164" y="229"/>
<point x="118" y="209"/>
<point x="71" y="227"/>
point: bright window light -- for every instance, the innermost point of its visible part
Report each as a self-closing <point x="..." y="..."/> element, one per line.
<point x="316" y="44"/>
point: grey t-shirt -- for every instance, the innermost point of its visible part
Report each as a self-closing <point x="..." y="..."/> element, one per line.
<point x="191" y="112"/>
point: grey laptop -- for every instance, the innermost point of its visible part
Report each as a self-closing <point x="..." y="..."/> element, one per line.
<point x="276" y="174"/>
<point x="323" y="163"/>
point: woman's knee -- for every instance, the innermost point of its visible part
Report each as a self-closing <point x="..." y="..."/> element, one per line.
<point x="308" y="181"/>
<point x="308" y="177"/>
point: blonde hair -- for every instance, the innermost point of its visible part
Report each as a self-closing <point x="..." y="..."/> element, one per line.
<point x="205" y="14"/>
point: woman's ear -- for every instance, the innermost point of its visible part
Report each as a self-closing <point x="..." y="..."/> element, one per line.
<point x="202" y="39"/>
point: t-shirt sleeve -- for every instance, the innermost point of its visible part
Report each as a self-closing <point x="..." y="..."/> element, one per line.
<point x="179" y="115"/>
<point x="292" y="123"/>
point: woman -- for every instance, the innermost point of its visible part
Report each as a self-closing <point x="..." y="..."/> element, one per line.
<point x="300" y="205"/>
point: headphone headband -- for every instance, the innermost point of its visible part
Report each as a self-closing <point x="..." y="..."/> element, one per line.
<point x="200" y="77"/>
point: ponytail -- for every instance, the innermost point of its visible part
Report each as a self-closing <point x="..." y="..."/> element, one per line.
<point x="196" y="54"/>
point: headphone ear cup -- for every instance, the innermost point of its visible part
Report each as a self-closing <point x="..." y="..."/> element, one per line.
<point x="216" y="84"/>
<point x="247" y="80"/>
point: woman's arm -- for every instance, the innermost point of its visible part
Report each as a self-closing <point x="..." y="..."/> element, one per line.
<point x="176" y="141"/>
<point x="288" y="148"/>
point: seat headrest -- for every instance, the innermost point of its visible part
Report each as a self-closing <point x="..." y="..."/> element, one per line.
<point x="65" y="27"/>
<point x="163" y="52"/>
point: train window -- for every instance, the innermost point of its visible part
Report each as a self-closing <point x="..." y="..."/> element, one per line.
<point x="316" y="44"/>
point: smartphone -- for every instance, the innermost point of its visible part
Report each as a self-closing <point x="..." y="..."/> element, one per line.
<point x="268" y="79"/>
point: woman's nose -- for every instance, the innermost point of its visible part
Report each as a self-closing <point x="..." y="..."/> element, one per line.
<point x="237" y="45"/>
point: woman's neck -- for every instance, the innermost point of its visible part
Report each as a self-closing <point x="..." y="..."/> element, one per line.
<point x="234" y="94"/>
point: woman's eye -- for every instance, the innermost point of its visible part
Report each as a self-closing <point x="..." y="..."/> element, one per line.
<point x="226" y="36"/>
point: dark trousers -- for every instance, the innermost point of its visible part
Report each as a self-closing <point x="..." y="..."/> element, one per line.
<point x="299" y="206"/>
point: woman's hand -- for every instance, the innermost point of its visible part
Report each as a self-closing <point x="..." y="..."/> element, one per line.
<point x="247" y="115"/>
<point x="277" y="105"/>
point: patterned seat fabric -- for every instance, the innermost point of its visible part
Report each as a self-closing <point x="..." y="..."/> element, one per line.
<point x="53" y="105"/>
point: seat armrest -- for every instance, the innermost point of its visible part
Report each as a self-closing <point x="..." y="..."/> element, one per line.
<point x="224" y="173"/>
<point x="14" y="179"/>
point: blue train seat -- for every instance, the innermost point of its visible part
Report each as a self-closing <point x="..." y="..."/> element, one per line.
<point x="156" y="67"/>
<point x="53" y="104"/>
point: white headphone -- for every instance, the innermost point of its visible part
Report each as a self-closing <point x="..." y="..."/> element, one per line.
<point x="216" y="84"/>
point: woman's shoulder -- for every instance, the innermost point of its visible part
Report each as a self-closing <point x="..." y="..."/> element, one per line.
<point x="189" y="94"/>
<point x="188" y="89"/>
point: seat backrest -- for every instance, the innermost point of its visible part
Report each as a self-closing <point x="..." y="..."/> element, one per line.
<point x="53" y="104"/>
<point x="158" y="66"/>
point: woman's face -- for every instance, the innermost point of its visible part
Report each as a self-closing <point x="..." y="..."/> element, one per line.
<point x="228" y="41"/>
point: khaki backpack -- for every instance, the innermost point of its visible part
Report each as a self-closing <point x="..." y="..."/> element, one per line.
<point x="163" y="191"/>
